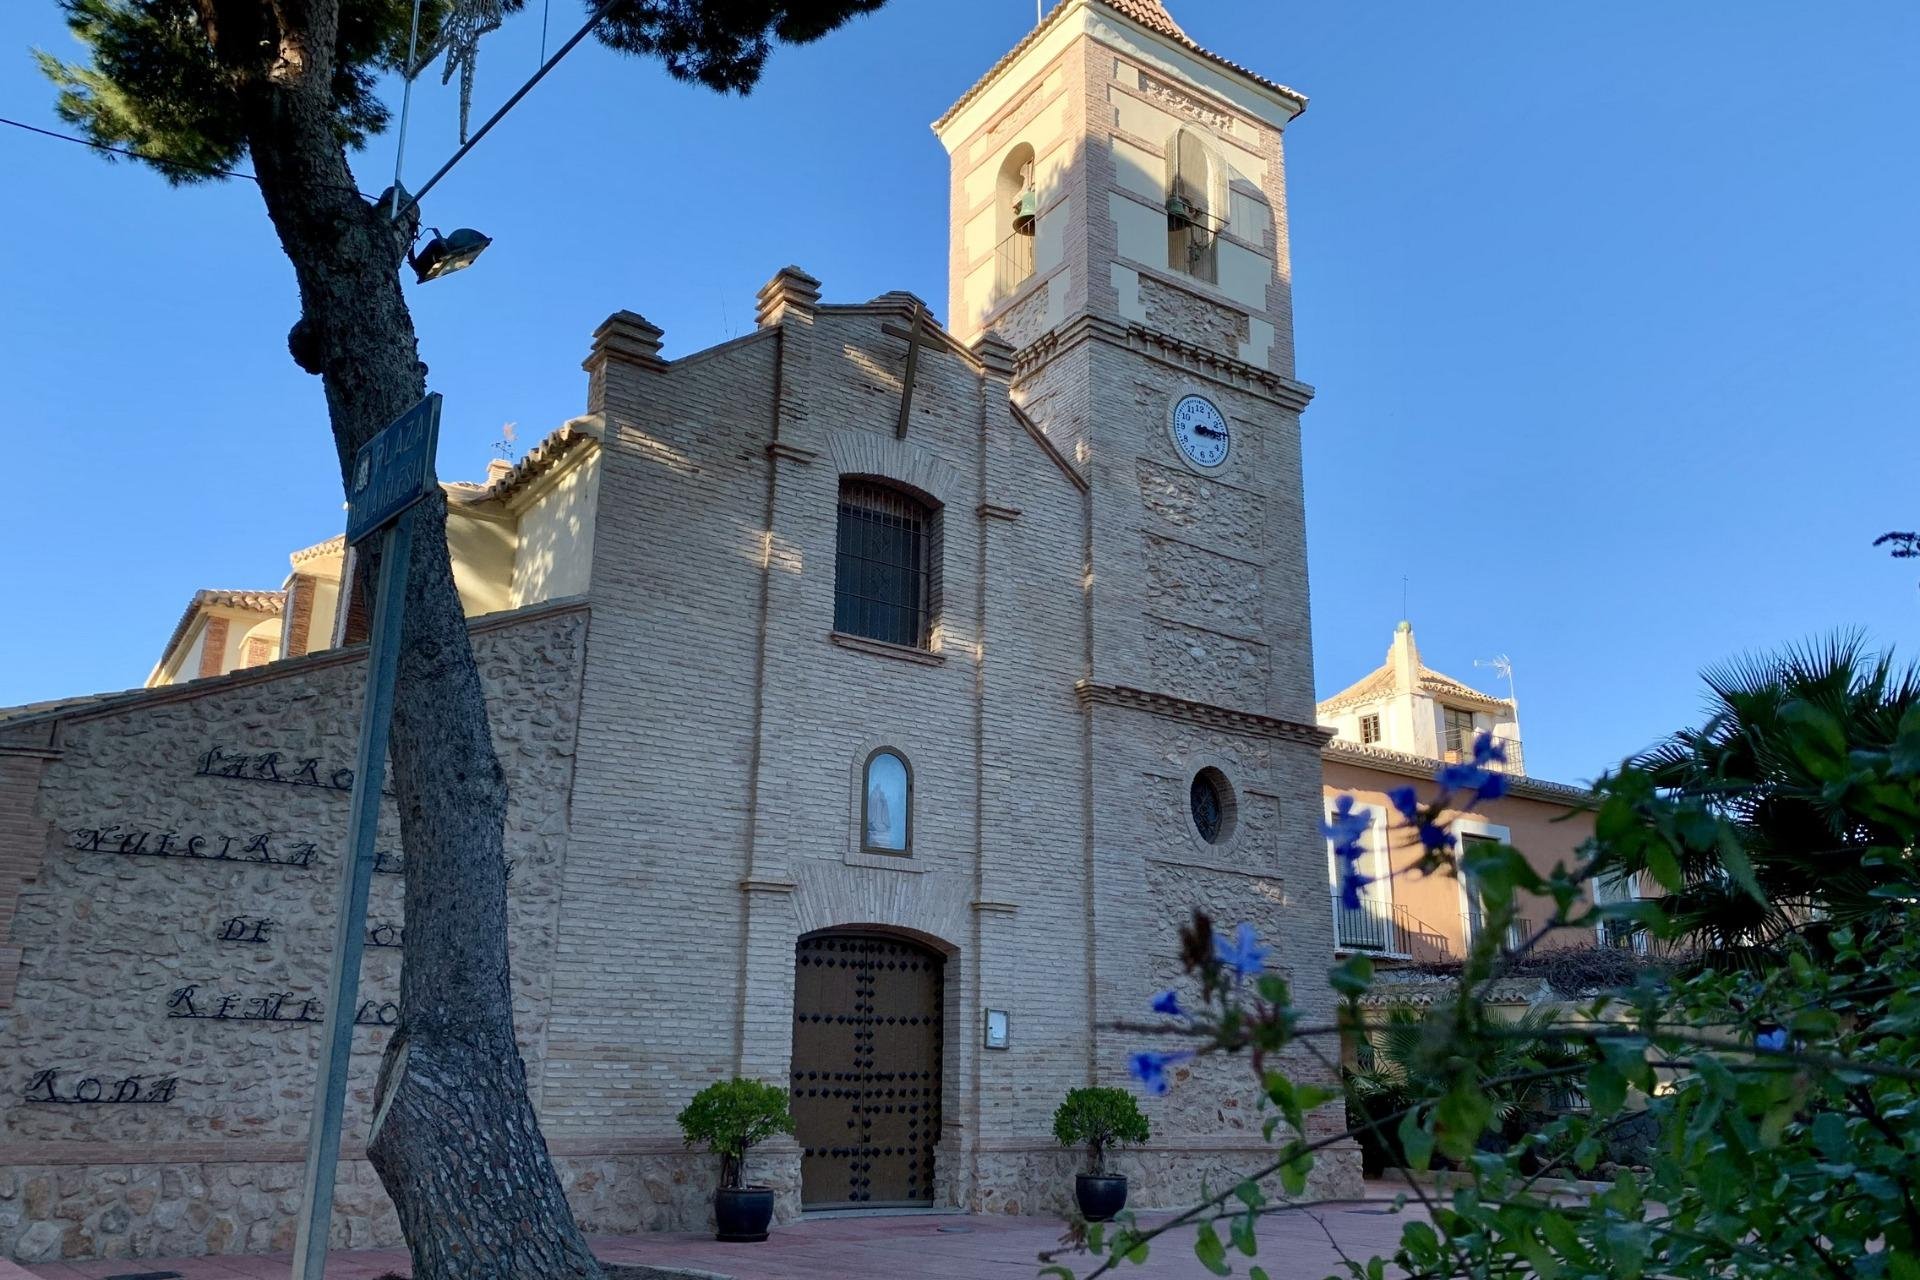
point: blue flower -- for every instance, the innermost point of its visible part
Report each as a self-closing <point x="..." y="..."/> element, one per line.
<point x="1485" y="784"/>
<point x="1150" y="1069"/>
<point x="1460" y="777"/>
<point x="1351" y="884"/>
<point x="1347" y="826"/>
<point x="1407" y="801"/>
<point x="1773" y="1040"/>
<point x="1244" y="955"/>
<point x="1486" y="750"/>
<point x="1436" y="838"/>
<point x="1168" y="1002"/>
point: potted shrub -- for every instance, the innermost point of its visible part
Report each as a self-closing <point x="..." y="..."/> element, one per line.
<point x="731" y="1116"/>
<point x="1099" y="1119"/>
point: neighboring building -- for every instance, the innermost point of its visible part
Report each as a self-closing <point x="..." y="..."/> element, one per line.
<point x="1397" y="726"/>
<point x="852" y="679"/>
<point x="523" y="537"/>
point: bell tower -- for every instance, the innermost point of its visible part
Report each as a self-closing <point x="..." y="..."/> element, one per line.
<point x="1111" y="167"/>
<point x="1119" y="217"/>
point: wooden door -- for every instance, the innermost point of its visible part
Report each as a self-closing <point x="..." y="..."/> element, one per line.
<point x="866" y="1070"/>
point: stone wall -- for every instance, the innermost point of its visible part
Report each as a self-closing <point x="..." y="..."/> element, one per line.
<point x="159" y="1051"/>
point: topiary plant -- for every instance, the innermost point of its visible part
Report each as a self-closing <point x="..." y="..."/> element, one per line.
<point x="1098" y="1119"/>
<point x="732" y="1116"/>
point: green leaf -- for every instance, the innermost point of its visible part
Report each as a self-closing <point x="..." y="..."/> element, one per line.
<point x="1830" y="1136"/>
<point x="1212" y="1254"/>
<point x="1293" y="1174"/>
<point x="1415" y="1140"/>
<point x="1352" y="976"/>
<point x="1606" y="1088"/>
<point x="1734" y="858"/>
<point x="1241" y="1231"/>
<point x="1420" y="1241"/>
<point x="1877" y="1185"/>
<point x="1257" y="1273"/>
<point x="1664" y="867"/>
<point x="1250" y="1194"/>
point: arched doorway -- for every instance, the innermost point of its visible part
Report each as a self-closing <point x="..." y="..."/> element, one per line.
<point x="866" y="1069"/>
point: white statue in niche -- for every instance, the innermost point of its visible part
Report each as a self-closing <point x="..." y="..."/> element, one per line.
<point x="886" y="816"/>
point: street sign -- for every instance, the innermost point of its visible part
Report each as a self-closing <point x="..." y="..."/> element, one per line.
<point x="393" y="470"/>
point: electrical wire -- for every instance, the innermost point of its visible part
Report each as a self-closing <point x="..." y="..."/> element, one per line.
<point x="592" y="21"/>
<point x="413" y="198"/>
<point x="209" y="170"/>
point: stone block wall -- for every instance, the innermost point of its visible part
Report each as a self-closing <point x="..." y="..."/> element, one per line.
<point x="160" y="1046"/>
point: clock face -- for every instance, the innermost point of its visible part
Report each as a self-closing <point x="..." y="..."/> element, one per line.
<point x="1200" y="431"/>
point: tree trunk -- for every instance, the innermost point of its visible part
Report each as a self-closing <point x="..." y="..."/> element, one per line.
<point x="455" y="1139"/>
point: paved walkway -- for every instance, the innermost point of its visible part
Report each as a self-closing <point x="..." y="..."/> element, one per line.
<point x="921" y="1247"/>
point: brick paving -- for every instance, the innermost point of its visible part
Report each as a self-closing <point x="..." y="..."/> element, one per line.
<point x="920" y="1247"/>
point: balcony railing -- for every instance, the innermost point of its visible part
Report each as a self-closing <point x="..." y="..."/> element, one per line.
<point x="1456" y="748"/>
<point x="1518" y="931"/>
<point x="1389" y="929"/>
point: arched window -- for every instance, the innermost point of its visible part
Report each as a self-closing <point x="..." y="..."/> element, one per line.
<point x="1196" y="205"/>
<point x="886" y="804"/>
<point x="1017" y="214"/>
<point x="883" y="563"/>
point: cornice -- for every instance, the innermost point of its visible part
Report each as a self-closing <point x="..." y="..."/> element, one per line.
<point x="1408" y="765"/>
<point x="1206" y="714"/>
<point x="1183" y="355"/>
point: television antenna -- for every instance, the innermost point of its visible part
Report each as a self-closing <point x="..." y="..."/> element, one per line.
<point x="1502" y="665"/>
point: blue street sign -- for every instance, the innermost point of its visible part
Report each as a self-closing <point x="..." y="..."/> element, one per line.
<point x="393" y="470"/>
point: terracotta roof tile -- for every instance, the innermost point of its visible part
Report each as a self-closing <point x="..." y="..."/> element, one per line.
<point x="537" y="461"/>
<point x="262" y="602"/>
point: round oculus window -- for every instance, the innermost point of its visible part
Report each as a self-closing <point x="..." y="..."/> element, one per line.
<point x="1211" y="805"/>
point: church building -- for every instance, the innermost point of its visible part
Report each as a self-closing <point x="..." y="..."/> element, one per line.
<point x="877" y="696"/>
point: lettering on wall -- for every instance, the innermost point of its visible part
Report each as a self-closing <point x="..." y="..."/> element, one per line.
<point x="264" y="848"/>
<point x="282" y="1007"/>
<point x="231" y="1006"/>
<point x="244" y="929"/>
<point x="98" y="1091"/>
<point x="377" y="1013"/>
<point x="271" y="766"/>
<point x="386" y="935"/>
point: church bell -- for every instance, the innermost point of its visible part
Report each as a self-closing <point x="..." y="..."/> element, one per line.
<point x="1026" y="211"/>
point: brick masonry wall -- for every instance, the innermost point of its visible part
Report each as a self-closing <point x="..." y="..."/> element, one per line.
<point x="221" y="904"/>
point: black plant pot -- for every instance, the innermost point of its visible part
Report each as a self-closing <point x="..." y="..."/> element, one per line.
<point x="1100" y="1196"/>
<point x="742" y="1213"/>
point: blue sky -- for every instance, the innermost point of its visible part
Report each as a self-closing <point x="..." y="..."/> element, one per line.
<point x="1611" y="309"/>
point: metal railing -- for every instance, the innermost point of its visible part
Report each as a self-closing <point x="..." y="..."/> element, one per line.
<point x="1387" y="928"/>
<point x="1456" y="748"/>
<point x="1518" y="931"/>
<point x="1012" y="264"/>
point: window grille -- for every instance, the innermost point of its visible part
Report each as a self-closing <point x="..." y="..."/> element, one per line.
<point x="1369" y="730"/>
<point x="882" y="573"/>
